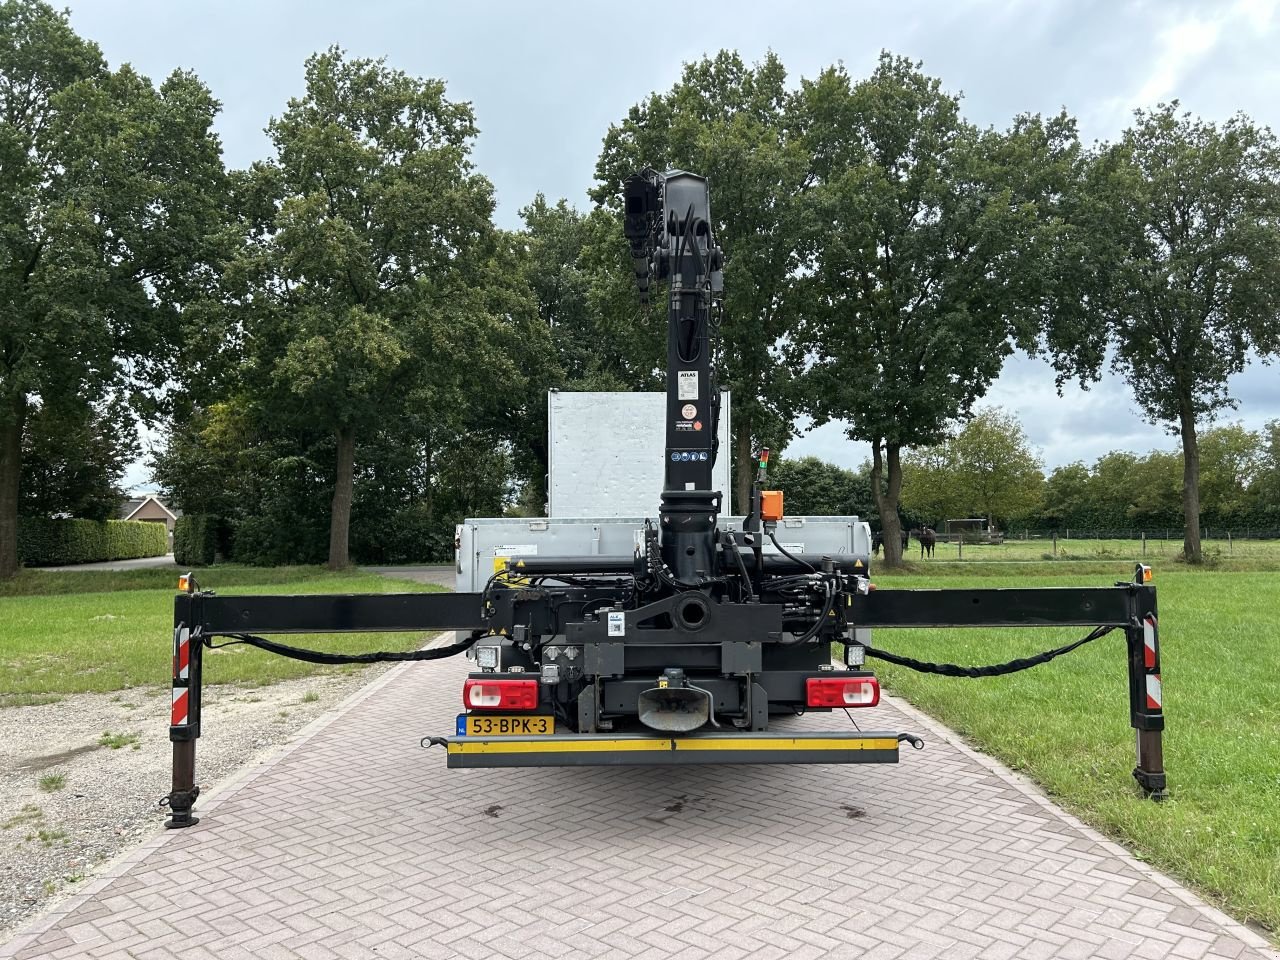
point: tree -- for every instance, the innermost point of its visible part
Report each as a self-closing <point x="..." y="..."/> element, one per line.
<point x="988" y="468"/>
<point x="1230" y="464"/>
<point x="918" y="269"/>
<point x="1265" y="490"/>
<point x="732" y="124"/>
<point x="815" y="488"/>
<point x="111" y="191"/>
<point x="1182" y="278"/>
<point x="1066" y="494"/>
<point x="598" y="337"/>
<point x="369" y="271"/>
<point x="582" y="278"/>
<point x="73" y="459"/>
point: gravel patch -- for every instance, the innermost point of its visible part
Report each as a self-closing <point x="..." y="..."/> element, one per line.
<point x="79" y="779"/>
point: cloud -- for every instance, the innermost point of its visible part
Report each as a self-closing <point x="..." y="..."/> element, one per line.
<point x="546" y="81"/>
<point x="1195" y="44"/>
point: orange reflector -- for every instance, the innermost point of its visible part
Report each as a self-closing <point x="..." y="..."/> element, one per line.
<point x="184" y="582"/>
<point x="1146" y="574"/>
<point x="842" y="691"/>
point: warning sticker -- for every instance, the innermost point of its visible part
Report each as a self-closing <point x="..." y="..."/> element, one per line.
<point x="689" y="411"/>
<point x="617" y="623"/>
<point x="687" y="385"/>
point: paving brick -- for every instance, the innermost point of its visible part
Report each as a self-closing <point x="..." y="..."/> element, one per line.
<point x="949" y="857"/>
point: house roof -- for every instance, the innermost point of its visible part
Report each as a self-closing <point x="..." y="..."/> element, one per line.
<point x="133" y="506"/>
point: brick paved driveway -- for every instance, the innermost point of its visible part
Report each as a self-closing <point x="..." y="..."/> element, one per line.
<point x="356" y="843"/>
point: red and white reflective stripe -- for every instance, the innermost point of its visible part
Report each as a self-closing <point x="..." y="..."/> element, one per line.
<point x="1153" y="691"/>
<point x="1149" y="642"/>
<point x="179" y="716"/>
<point x="182" y="653"/>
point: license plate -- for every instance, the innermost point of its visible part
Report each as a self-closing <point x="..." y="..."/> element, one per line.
<point x="505" y="725"/>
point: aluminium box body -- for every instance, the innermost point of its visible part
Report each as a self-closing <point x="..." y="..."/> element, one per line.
<point x="605" y="453"/>
<point x="483" y="544"/>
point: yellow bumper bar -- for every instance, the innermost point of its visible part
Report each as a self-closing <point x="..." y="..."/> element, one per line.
<point x="574" y="750"/>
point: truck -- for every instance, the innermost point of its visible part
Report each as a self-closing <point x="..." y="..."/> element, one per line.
<point x="682" y="636"/>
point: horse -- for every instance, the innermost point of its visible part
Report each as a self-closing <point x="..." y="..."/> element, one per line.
<point x="928" y="538"/>
<point x="877" y="541"/>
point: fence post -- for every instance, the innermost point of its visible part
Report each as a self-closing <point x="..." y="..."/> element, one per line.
<point x="1055" y="543"/>
<point x="960" y="547"/>
<point x="1144" y="543"/>
<point x="1228" y="543"/>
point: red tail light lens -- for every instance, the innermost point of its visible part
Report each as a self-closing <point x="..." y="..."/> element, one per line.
<point x="842" y="691"/>
<point x="500" y="694"/>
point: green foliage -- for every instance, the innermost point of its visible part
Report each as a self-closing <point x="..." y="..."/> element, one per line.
<point x="116" y="741"/>
<point x="195" y="540"/>
<point x="73" y="459"/>
<point x="815" y="488"/>
<point x="987" y="469"/>
<point x="734" y="124"/>
<point x="111" y="192"/>
<point x="1180" y="271"/>
<point x="919" y="276"/>
<point x="114" y="618"/>
<point x="1230" y="470"/>
<point x="1124" y="490"/>
<point x="1265" y="490"/>
<point x="380" y="309"/>
<point x="52" y="782"/>
<point x="55" y="543"/>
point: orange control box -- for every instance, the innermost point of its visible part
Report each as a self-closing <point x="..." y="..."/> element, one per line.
<point x="771" y="505"/>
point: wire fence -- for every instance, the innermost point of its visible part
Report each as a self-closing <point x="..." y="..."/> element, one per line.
<point x="1117" y="543"/>
<point x="1143" y="533"/>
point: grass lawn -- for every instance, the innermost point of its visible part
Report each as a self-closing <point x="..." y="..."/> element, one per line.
<point x="1065" y="724"/>
<point x="99" y="631"/>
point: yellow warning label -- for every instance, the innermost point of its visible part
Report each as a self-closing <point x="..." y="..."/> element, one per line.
<point x="511" y="580"/>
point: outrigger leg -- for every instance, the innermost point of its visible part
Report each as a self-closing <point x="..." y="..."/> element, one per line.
<point x="184" y="721"/>
<point x="1145" y="694"/>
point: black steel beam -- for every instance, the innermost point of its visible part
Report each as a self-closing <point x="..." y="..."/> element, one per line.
<point x="341" y="613"/>
<point x="1007" y="607"/>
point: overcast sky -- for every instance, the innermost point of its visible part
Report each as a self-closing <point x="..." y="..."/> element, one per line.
<point x="547" y="79"/>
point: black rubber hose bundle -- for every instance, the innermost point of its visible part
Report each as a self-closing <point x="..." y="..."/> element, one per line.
<point x="384" y="656"/>
<point x="995" y="670"/>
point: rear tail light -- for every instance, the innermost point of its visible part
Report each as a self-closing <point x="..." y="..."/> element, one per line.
<point x="500" y="694"/>
<point x="842" y="691"/>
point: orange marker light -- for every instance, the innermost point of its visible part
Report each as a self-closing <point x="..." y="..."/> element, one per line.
<point x="184" y="583"/>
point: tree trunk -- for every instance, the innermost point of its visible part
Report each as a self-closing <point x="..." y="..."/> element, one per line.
<point x="1191" y="550"/>
<point x="744" y="465"/>
<point x="887" y="498"/>
<point x="340" y="519"/>
<point x="11" y="423"/>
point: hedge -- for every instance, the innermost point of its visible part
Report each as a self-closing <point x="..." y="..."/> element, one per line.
<point x="195" y="540"/>
<point x="54" y="543"/>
